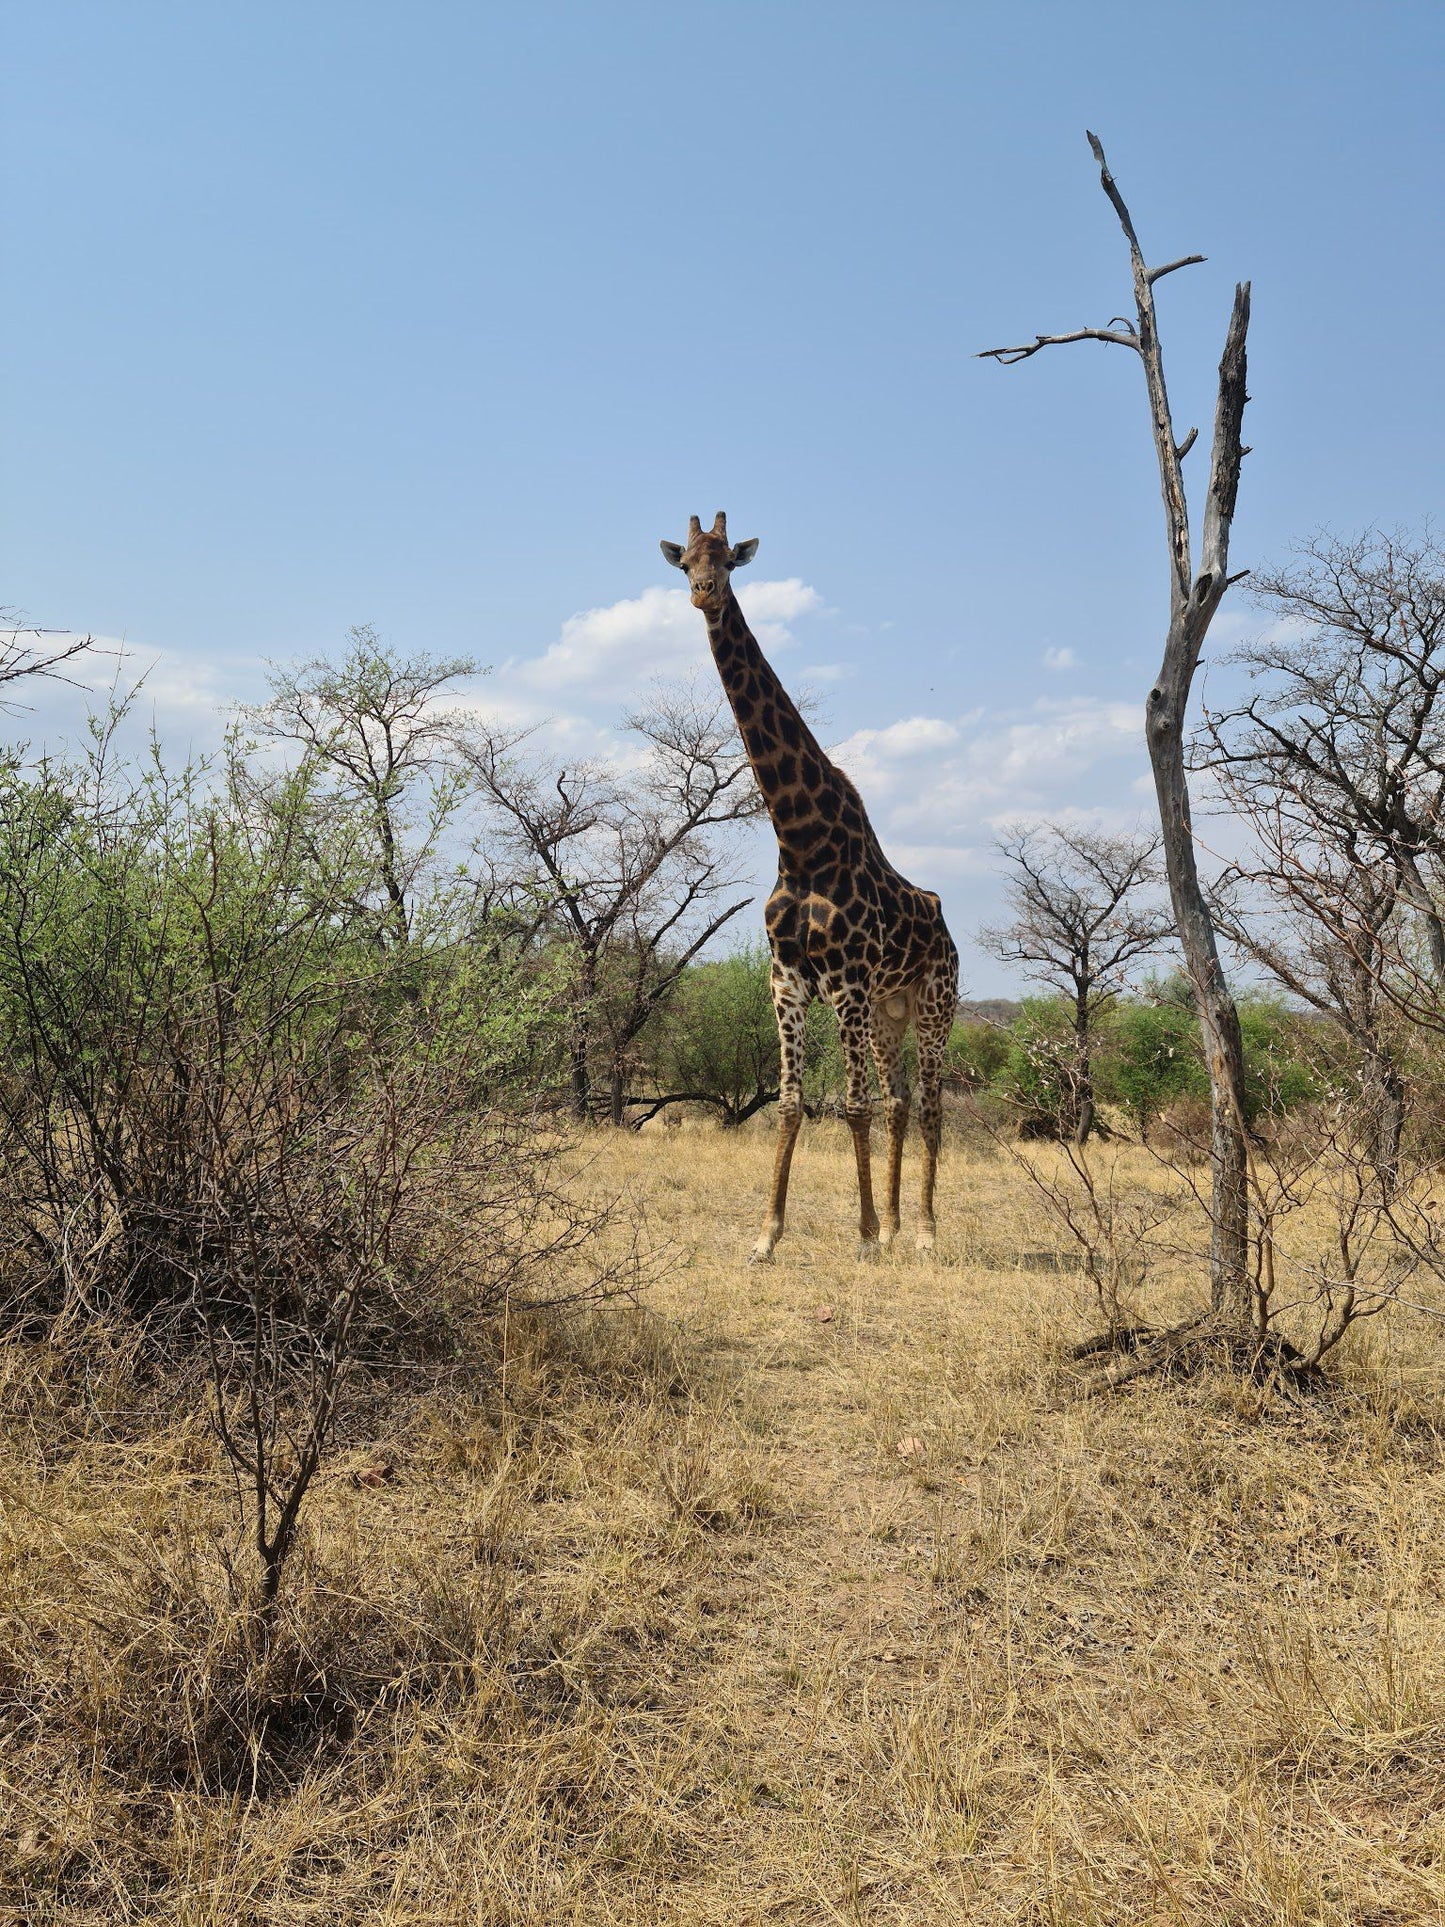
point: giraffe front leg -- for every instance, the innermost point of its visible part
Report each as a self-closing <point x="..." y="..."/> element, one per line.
<point x="893" y="1081"/>
<point x="853" y="1026"/>
<point x="791" y="998"/>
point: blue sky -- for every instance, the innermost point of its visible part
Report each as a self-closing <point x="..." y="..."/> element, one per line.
<point x="439" y="316"/>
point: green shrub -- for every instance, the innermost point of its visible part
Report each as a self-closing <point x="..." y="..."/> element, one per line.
<point x="1036" y="1074"/>
<point x="1151" y="1058"/>
<point x="977" y="1053"/>
<point x="717" y="1041"/>
<point x="210" y="1069"/>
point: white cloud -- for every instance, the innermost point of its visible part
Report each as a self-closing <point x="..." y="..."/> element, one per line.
<point x="658" y="633"/>
<point x="1060" y="659"/>
<point x="885" y="761"/>
<point x="187" y="700"/>
<point x="947" y="785"/>
<point x="572" y="695"/>
<point x="644" y="635"/>
<point x="771" y="606"/>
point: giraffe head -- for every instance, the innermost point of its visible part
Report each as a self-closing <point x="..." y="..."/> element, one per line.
<point x="707" y="561"/>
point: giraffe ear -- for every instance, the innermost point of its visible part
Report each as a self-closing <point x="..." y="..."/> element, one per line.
<point x="673" y="552"/>
<point x="744" y="552"/>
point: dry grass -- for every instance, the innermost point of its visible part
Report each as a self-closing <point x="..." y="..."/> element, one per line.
<point x="667" y="1629"/>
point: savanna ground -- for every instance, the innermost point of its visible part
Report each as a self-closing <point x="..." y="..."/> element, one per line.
<point x="796" y="1594"/>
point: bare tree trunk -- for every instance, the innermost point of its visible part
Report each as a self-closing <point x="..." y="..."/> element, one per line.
<point x="1194" y="604"/>
<point x="1194" y="597"/>
<point x="1421" y="900"/>
<point x="581" y="1077"/>
<point x="396" y="912"/>
<point x="617" y="1091"/>
<point x="1231" y="1294"/>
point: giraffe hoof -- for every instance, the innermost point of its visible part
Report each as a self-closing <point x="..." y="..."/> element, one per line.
<point x="925" y="1244"/>
<point x="761" y="1255"/>
<point x="868" y="1249"/>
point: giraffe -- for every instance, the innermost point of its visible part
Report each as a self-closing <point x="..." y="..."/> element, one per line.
<point x="842" y="923"/>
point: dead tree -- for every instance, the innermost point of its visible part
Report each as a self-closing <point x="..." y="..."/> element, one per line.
<point x="1078" y="927"/>
<point x="1194" y="596"/>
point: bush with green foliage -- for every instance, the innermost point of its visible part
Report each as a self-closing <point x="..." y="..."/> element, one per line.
<point x="976" y="1056"/>
<point x="1279" y="1071"/>
<point x="242" y="1111"/>
<point x="1035" y="1074"/>
<point x="209" y="1064"/>
<point x="717" y="1041"/>
<point x="1150" y="1058"/>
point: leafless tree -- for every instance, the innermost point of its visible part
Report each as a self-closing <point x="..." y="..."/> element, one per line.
<point x="375" y="724"/>
<point x="1358" y="1245"/>
<point x="1194" y="596"/>
<point x="1335" y="761"/>
<point x="312" y="1235"/>
<point x="1322" y="916"/>
<point x="623" y="865"/>
<point x="1079" y="926"/>
<point x="1346" y="723"/>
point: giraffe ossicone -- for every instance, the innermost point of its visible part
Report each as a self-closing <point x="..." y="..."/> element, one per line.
<point x="842" y="923"/>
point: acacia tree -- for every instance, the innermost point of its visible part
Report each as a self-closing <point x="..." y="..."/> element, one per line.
<point x="374" y="725"/>
<point x="1195" y="593"/>
<point x="1078" y="926"/>
<point x="624" y="866"/>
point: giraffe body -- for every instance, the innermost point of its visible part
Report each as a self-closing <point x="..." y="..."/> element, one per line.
<point x="842" y="923"/>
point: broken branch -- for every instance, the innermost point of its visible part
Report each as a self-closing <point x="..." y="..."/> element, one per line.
<point x="1184" y="261"/>
<point x="1008" y="356"/>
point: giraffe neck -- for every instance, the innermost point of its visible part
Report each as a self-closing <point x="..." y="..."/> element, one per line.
<point x="802" y="789"/>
